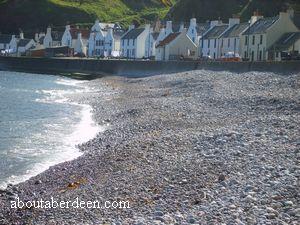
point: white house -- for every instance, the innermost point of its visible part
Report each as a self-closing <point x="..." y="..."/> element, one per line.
<point x="112" y="42"/>
<point x="8" y="44"/>
<point x="230" y="39"/>
<point x="263" y="33"/>
<point x="151" y="42"/>
<point x="176" y="46"/>
<point x="287" y="46"/>
<point x="52" y="38"/>
<point x="67" y="39"/>
<point x="25" y="44"/>
<point x="105" y="40"/>
<point x="210" y="42"/>
<point x="133" y="42"/>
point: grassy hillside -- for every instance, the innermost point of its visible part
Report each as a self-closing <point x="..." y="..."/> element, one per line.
<point x="32" y="14"/>
<point x="213" y="9"/>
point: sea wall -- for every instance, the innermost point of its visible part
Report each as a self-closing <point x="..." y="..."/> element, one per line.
<point x="94" y="67"/>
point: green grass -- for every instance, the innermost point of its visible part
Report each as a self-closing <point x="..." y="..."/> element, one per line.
<point x="32" y="14"/>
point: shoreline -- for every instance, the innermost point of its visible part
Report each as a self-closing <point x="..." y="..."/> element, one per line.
<point x="82" y="132"/>
<point x="187" y="148"/>
<point x="89" y="69"/>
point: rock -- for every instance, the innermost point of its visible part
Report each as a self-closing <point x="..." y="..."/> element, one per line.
<point x="288" y="203"/>
<point x="158" y="213"/>
<point x="271" y="216"/>
<point x="221" y="178"/>
<point x="38" y="182"/>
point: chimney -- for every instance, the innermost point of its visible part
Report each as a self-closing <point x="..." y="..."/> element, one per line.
<point x="131" y="27"/>
<point x="214" y="23"/>
<point x="36" y="37"/>
<point x="79" y="36"/>
<point x="181" y="27"/>
<point x="233" y="21"/>
<point x="169" y="29"/>
<point x="256" y="16"/>
<point x="147" y="27"/>
<point x="291" y="12"/>
<point x="68" y="27"/>
<point x="110" y="31"/>
<point x="193" y="22"/>
<point x="48" y="31"/>
<point x="21" y="35"/>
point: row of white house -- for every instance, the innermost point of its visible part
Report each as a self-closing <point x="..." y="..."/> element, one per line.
<point x="259" y="39"/>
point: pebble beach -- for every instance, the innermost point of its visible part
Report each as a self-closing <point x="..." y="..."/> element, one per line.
<point x="198" y="147"/>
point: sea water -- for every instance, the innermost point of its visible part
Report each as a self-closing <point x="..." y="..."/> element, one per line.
<point x="39" y="125"/>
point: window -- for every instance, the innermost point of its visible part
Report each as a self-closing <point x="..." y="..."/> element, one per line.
<point x="127" y="42"/>
<point x="133" y="41"/>
<point x="214" y="55"/>
<point x="193" y="39"/>
<point x="253" y="40"/>
<point x="277" y="54"/>
<point x="235" y="42"/>
<point x="222" y="42"/>
<point x="228" y="42"/>
<point x="123" y="42"/>
<point x="127" y="52"/>
<point x="208" y="44"/>
<point x="110" y="43"/>
<point x="261" y="39"/>
<point x="192" y="31"/>
<point x="260" y="55"/>
<point x="215" y="45"/>
<point x="246" y="40"/>
<point x="133" y="53"/>
<point x="245" y="55"/>
<point x="252" y="56"/>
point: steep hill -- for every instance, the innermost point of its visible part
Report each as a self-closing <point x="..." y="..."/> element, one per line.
<point x="32" y="14"/>
<point x="213" y="9"/>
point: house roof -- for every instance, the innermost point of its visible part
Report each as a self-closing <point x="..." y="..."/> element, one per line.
<point x="155" y="35"/>
<point x="133" y="34"/>
<point x="57" y="35"/>
<point x="168" y="39"/>
<point x="41" y="39"/>
<point x="235" y="30"/>
<point x="202" y="28"/>
<point x="286" y="41"/>
<point x="23" y="42"/>
<point x="261" y="25"/>
<point x="118" y="33"/>
<point x="5" y="38"/>
<point x="215" y="32"/>
<point x="297" y="20"/>
<point x="74" y="33"/>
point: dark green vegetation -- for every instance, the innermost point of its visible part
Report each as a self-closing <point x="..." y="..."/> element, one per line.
<point x="31" y="15"/>
<point x="213" y="9"/>
<point x="38" y="14"/>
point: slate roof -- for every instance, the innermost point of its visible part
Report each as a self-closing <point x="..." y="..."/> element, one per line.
<point x="235" y="30"/>
<point x="133" y="34"/>
<point x="118" y="33"/>
<point x="23" y="42"/>
<point x="168" y="39"/>
<point x="285" y="41"/>
<point x="215" y="32"/>
<point x="202" y="28"/>
<point x="297" y="20"/>
<point x="57" y="35"/>
<point x="5" y="38"/>
<point x="41" y="40"/>
<point x="84" y="33"/>
<point x="261" y="25"/>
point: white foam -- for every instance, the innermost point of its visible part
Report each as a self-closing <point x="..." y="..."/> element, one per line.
<point x="85" y="130"/>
